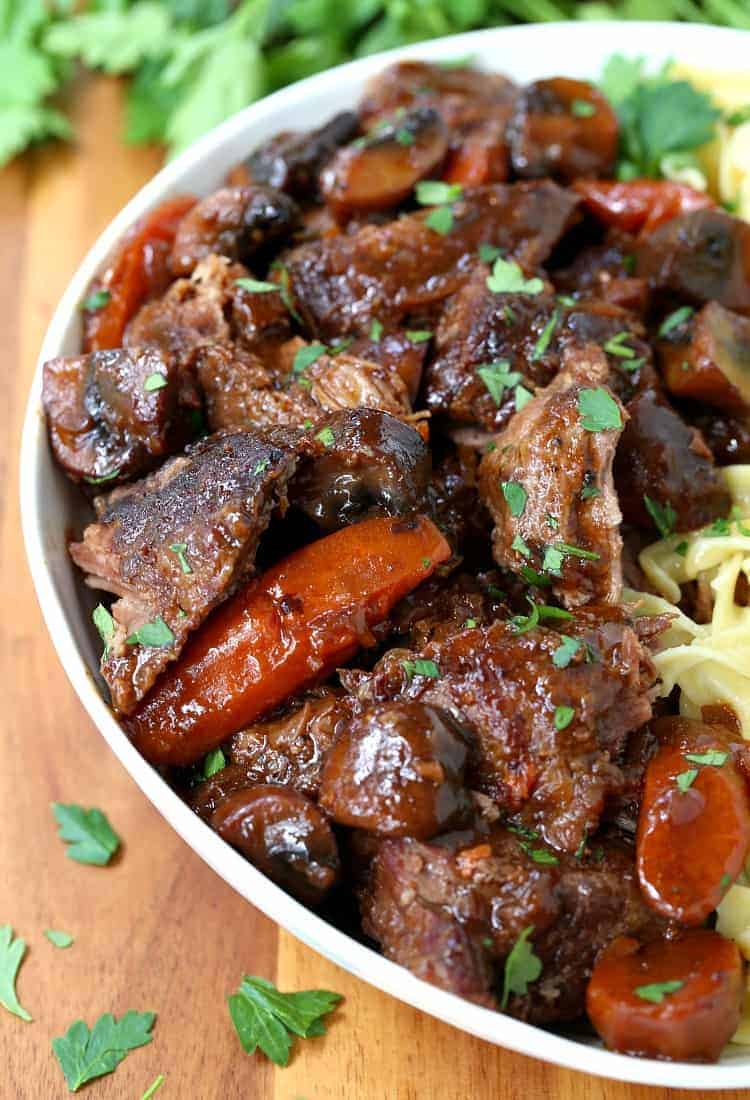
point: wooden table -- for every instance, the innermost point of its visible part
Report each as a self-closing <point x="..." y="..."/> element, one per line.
<point x="157" y="929"/>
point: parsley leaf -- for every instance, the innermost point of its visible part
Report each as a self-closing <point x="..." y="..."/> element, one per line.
<point x="436" y="192"/>
<point x="257" y="286"/>
<point x="105" y="624"/>
<point x="713" y="758"/>
<point x="657" y="991"/>
<point x="376" y="331"/>
<point x="598" y="410"/>
<point x="515" y="497"/>
<point x="522" y="967"/>
<point x="497" y="378"/>
<point x="522" y="396"/>
<point x="545" y="336"/>
<point x="156" y="634"/>
<point x="326" y="437"/>
<point x="180" y="548"/>
<point x="12" y="952"/>
<point x="266" y="1018"/>
<point x="663" y="515"/>
<point x="419" y="335"/>
<point x="488" y="253"/>
<point x="581" y="108"/>
<point x="521" y="546"/>
<point x="306" y="356"/>
<point x="563" y="717"/>
<point x="115" y="41"/>
<point x="686" y="779"/>
<point x="90" y="836"/>
<point x="421" y="667"/>
<point x="86" y="1054"/>
<point x="674" y="320"/>
<point x="566" y="651"/>
<point x="59" y="939"/>
<point x="507" y="278"/>
<point x="213" y="762"/>
<point x="95" y="301"/>
<point x="154" y="1087"/>
<point x="155" y="381"/>
<point x="440" y="220"/>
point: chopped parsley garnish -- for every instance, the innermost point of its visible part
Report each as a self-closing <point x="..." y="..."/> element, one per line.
<point x="86" y="1054"/>
<point x="257" y="286"/>
<point x="404" y="136"/>
<point x="326" y="437"/>
<point x="488" y="253"/>
<point x="566" y="651"/>
<point x="213" y="762"/>
<point x="12" y="952"/>
<point x="567" y="300"/>
<point x="515" y="497"/>
<point x="686" y="779"/>
<point x="469" y="624"/>
<point x="657" y="991"/>
<point x="588" y="492"/>
<point x="507" y="278"/>
<point x="617" y="346"/>
<point x="306" y="356"/>
<point x="88" y="833"/>
<point x="179" y="549"/>
<point x="563" y="717"/>
<point x="156" y="634"/>
<point x="523" y="623"/>
<point x="663" y="515"/>
<point x="96" y="300"/>
<point x="532" y="577"/>
<point x="581" y="849"/>
<point x="598" y="410"/>
<point x="545" y="336"/>
<point x="497" y="378"/>
<point x="581" y="108"/>
<point x="260" y="466"/>
<point x="419" y="335"/>
<point x="675" y="319"/>
<point x="154" y="1087"/>
<point x="426" y="563"/>
<point x="440" y="220"/>
<point x="522" y="396"/>
<point x="285" y="288"/>
<point x="421" y="667"/>
<point x="522" y="967"/>
<point x="541" y="855"/>
<point x="105" y="624"/>
<point x="376" y="330"/>
<point x="552" y="560"/>
<point x="437" y="192"/>
<point x="552" y="563"/>
<point x="104" y="478"/>
<point x="155" y="381"/>
<point x="718" y="529"/>
<point x="682" y="548"/>
<point x="521" y="547"/>
<point x="266" y="1018"/>
<point x="59" y="939"/>
<point x="713" y="758"/>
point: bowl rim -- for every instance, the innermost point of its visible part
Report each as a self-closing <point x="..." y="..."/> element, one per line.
<point x="360" y="960"/>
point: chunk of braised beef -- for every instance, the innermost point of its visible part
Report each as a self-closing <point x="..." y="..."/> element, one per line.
<point x="380" y="170"/>
<point x="342" y="284"/>
<point x="291" y="160"/>
<point x="360" y="461"/>
<point x="662" y="458"/>
<point x="605" y="272"/>
<point x="444" y="605"/>
<point x="397" y="351"/>
<point x="457" y="508"/>
<point x="174" y="545"/>
<point x="699" y="257"/>
<point x="398" y="770"/>
<point x="549" y="488"/>
<point x="237" y="222"/>
<point x="727" y="437"/>
<point x="562" y="128"/>
<point x="706" y="358"/>
<point x="550" y="712"/>
<point x="112" y="415"/>
<point x="284" y="835"/>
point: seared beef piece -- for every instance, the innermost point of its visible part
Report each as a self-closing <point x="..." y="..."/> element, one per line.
<point x="287" y="750"/>
<point x="701" y="257"/>
<point x="241" y="391"/>
<point x="520" y="334"/>
<point x="111" y="415"/>
<point x="451" y="912"/>
<point x="707" y="359"/>
<point x="380" y="171"/>
<point x="236" y="222"/>
<point x="284" y="835"/>
<point x="397" y="352"/>
<point x="624" y="808"/>
<point x="538" y="482"/>
<point x="505" y="687"/>
<point x="455" y="506"/>
<point x="605" y="271"/>
<point x="474" y="106"/>
<point x="444" y="605"/>
<point x="661" y="457"/>
<point x="398" y="770"/>
<point x="727" y="437"/>
<point x="175" y="545"/>
<point x="360" y="461"/>
<point x="341" y="285"/>
<point x="210" y="308"/>
<point x="291" y="160"/>
<point x="562" y="128"/>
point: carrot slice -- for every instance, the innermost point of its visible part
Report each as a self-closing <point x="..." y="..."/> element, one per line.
<point x="139" y="270"/>
<point x="678" y="999"/>
<point x="284" y="631"/>
<point x="639" y="206"/>
<point x="694" y="823"/>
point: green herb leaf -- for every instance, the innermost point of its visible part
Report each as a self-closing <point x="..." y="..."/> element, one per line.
<point x="566" y="651"/>
<point x="522" y="967"/>
<point x="11" y="955"/>
<point x="488" y="253"/>
<point x="179" y="549"/>
<point x="713" y="758"/>
<point x="581" y="108"/>
<point x="469" y="624"/>
<point x="515" y="497"/>
<point x="419" y="335"/>
<point x="553" y="560"/>
<point x="718" y="529"/>
<point x="440" y="219"/>
<point x="542" y="855"/>
<point x="86" y="1054"/>
<point x="326" y="437"/>
<point x="497" y="378"/>
<point x="522" y="396"/>
<point x="682" y="548"/>
<point x="156" y="634"/>
<point x="657" y="991"/>
<point x="376" y="331"/>
<point x="257" y="286"/>
<point x="507" y="278"/>
<point x="155" y="381"/>
<point x="154" y="1087"/>
<point x="95" y="301"/>
<point x="88" y="833"/>
<point x="663" y="515"/>
<point x="213" y="762"/>
<point x="521" y="547"/>
<point x="306" y="356"/>
<point x="59" y="939"/>
<point x="436" y="192"/>
<point x="686" y="779"/>
<point x="616" y="346"/>
<point x="674" y="320"/>
<point x="421" y="667"/>
<point x="563" y="717"/>
<point x="104" y="478"/>
<point x="598" y="410"/>
<point x="546" y="335"/>
<point x="105" y="624"/>
<point x="576" y="552"/>
<point x="588" y="492"/>
<point x="260" y="466"/>
<point x="267" y="1019"/>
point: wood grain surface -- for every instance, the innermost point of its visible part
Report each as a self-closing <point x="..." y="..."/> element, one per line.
<point x="157" y="929"/>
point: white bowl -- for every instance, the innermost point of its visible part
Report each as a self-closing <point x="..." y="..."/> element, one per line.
<point x="50" y="506"/>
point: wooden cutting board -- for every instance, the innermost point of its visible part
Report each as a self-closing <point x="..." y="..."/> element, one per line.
<point x="157" y="929"/>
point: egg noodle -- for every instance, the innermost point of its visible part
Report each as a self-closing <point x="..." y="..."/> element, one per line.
<point x="708" y="662"/>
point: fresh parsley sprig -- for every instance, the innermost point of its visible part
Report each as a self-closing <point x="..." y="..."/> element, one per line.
<point x="267" y="1019"/>
<point x="85" y="1054"/>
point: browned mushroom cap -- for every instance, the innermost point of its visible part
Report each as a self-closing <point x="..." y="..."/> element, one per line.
<point x="562" y="128"/>
<point x="381" y="169"/>
<point x="285" y="835"/>
<point x="398" y="772"/>
<point x="706" y="357"/>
